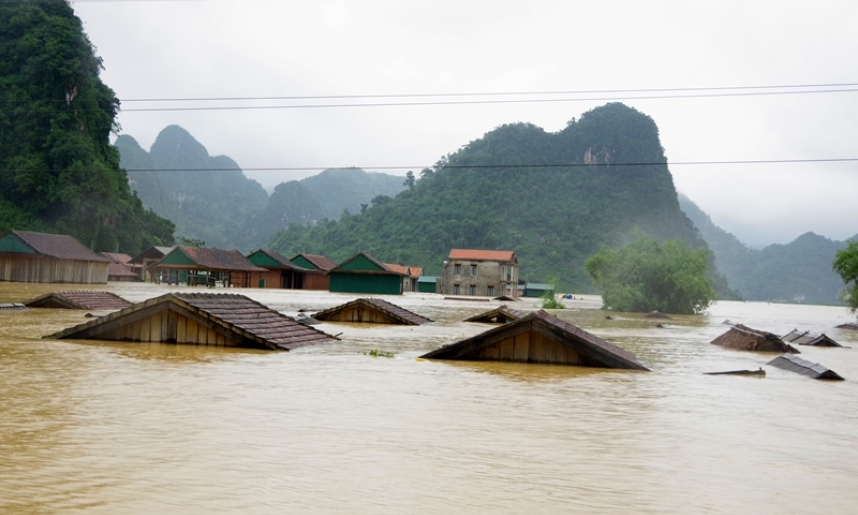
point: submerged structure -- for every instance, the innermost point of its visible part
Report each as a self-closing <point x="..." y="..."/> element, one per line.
<point x="95" y="300"/>
<point x="499" y="315"/>
<point x="371" y="311"/>
<point x="540" y="338"/>
<point x="740" y="337"/>
<point x="805" y="338"/>
<point x="33" y="257"/>
<point x="200" y="319"/>
<point x="804" y="367"/>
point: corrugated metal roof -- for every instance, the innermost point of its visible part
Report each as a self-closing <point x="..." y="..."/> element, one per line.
<point x="391" y="310"/>
<point x="803" y="367"/>
<point x="245" y="320"/>
<point x="215" y="259"/>
<point x="504" y="256"/>
<point x="60" y="246"/>
<point x="805" y="338"/>
<point x="80" y="299"/>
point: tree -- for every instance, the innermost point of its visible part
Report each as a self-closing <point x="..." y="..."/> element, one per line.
<point x="846" y="264"/>
<point x="646" y="275"/>
<point x="409" y="179"/>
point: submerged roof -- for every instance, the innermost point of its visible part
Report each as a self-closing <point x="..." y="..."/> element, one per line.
<point x="391" y="311"/>
<point x="60" y="246"/>
<point x="80" y="299"/>
<point x="805" y="338"/>
<point x="117" y="257"/>
<point x="740" y="337"/>
<point x="212" y="259"/>
<point x="506" y="256"/>
<point x="593" y="350"/>
<point x="119" y="270"/>
<point x="248" y="322"/>
<point x="803" y="367"/>
<point x="499" y="315"/>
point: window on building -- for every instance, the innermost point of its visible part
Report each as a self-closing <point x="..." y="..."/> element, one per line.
<point x="473" y="270"/>
<point x="455" y="289"/>
<point x="457" y="269"/>
<point x="490" y="290"/>
<point x="473" y="289"/>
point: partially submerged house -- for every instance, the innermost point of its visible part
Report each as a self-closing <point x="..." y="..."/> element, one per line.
<point x="499" y="315"/>
<point x="427" y="284"/>
<point x="363" y="273"/>
<point x="803" y="367"/>
<point x="140" y="263"/>
<point x="740" y="337"/>
<point x="371" y="311"/>
<point x="480" y="272"/>
<point x="410" y="275"/>
<point x="537" y="289"/>
<point x="539" y="338"/>
<point x="119" y="268"/>
<point x="94" y="300"/>
<point x="805" y="338"/>
<point x="318" y="269"/>
<point x="200" y="319"/>
<point x="279" y="271"/>
<point x="200" y="266"/>
<point x="33" y="257"/>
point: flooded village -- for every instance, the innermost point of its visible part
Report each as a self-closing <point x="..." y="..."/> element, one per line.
<point x="367" y="413"/>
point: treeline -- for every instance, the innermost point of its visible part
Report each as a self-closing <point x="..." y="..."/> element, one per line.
<point x="59" y="171"/>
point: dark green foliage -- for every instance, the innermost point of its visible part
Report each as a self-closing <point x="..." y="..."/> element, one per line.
<point x="59" y="171"/>
<point x="212" y="205"/>
<point x="554" y="218"/>
<point x="846" y="264"/>
<point x="646" y="275"/>
<point x="291" y="203"/>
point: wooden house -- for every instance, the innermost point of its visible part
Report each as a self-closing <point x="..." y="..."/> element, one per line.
<point x="805" y="338"/>
<point x="740" y="337"/>
<point x="480" y="272"/>
<point x="200" y="266"/>
<point x="499" y="315"/>
<point x="362" y="273"/>
<point x="200" y="319"/>
<point x="140" y="263"/>
<point x="371" y="311"/>
<point x="95" y="300"/>
<point x="280" y="272"/>
<point x="539" y="338"/>
<point x="804" y="367"/>
<point x="33" y="257"/>
<point x="318" y="269"/>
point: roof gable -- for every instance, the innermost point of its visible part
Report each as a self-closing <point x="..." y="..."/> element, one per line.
<point x="80" y="299"/>
<point x="367" y="310"/>
<point x="272" y="259"/>
<point x="740" y="337"/>
<point x="235" y="318"/>
<point x="540" y="338"/>
<point x="499" y="315"/>
<point x="59" y="246"/>
<point x="363" y="262"/>
<point x="503" y="256"/>
<point x="314" y="262"/>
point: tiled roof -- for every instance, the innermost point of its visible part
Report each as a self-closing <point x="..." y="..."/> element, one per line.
<point x="740" y="337"/>
<point x="320" y="261"/>
<point x="279" y="258"/>
<point x="397" y="268"/>
<point x="60" y="246"/>
<point x="504" y="256"/>
<point x="119" y="270"/>
<point x="117" y="257"/>
<point x="80" y="299"/>
<point x="499" y="315"/>
<point x="416" y="271"/>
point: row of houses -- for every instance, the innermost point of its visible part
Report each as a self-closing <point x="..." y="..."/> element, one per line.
<point x="37" y="257"/>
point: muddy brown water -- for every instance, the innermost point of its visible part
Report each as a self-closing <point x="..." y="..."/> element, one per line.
<point x="97" y="427"/>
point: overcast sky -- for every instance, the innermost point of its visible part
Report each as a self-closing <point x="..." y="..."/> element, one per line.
<point x="192" y="49"/>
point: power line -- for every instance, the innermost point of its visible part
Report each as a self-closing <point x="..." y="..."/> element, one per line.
<point x="478" y="167"/>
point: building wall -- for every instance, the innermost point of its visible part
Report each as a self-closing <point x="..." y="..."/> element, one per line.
<point x="532" y="347"/>
<point x="477" y="277"/>
<point x="360" y="314"/>
<point x="168" y="326"/>
<point x="29" y="268"/>
<point x="384" y="284"/>
<point x="317" y="281"/>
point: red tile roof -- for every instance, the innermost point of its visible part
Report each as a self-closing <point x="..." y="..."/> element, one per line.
<point x="504" y="256"/>
<point x="60" y="246"/>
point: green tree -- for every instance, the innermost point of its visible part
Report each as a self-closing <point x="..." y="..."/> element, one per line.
<point x="646" y="275"/>
<point x="846" y="264"/>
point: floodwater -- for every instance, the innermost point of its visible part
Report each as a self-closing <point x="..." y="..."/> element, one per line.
<point x="115" y="428"/>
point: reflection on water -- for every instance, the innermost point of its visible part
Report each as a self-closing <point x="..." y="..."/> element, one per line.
<point x="103" y="427"/>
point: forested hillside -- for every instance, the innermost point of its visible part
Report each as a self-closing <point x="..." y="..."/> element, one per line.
<point x="345" y="189"/>
<point x="59" y="172"/>
<point x="554" y="198"/>
<point x="207" y="197"/>
<point x="799" y="271"/>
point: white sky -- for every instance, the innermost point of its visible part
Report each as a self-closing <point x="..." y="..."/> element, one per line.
<point x="274" y="48"/>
